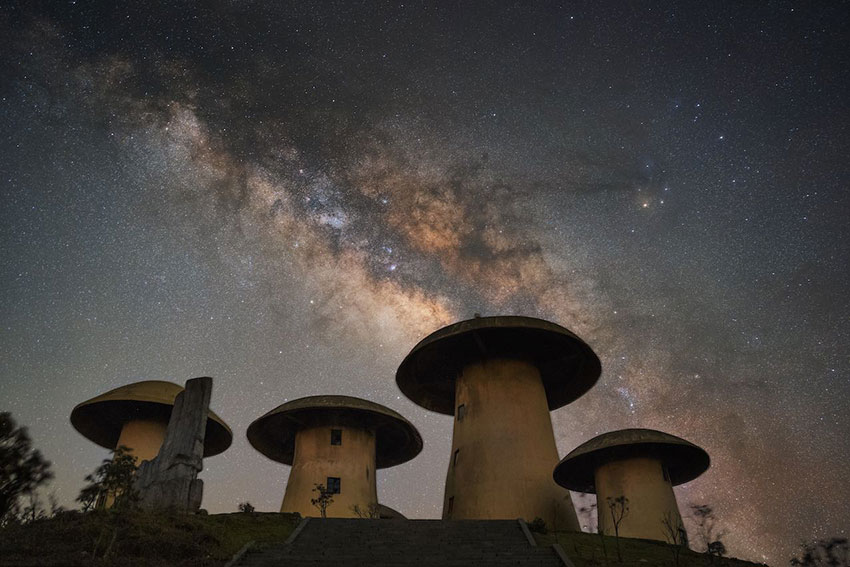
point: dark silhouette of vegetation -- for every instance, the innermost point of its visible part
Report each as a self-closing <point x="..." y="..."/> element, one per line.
<point x="112" y="479"/>
<point x="833" y="552"/>
<point x="323" y="500"/>
<point x="371" y="512"/>
<point x="22" y="469"/>
<point x="618" y="508"/>
<point x="141" y="538"/>
<point x="676" y="535"/>
<point x="537" y="525"/>
<point x="246" y="507"/>
<point x="706" y="530"/>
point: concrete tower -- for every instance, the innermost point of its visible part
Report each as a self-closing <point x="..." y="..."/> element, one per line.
<point x="335" y="441"/>
<point x="136" y="416"/>
<point x="499" y="377"/>
<point x="641" y="465"/>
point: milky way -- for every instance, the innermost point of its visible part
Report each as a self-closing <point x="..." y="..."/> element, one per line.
<point x="287" y="198"/>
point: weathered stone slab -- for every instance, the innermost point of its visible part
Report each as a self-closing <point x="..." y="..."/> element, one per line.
<point x="170" y="479"/>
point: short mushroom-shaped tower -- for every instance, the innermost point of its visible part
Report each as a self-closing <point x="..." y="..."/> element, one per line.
<point x="337" y="442"/>
<point x="500" y="377"/>
<point x="642" y="465"/>
<point x="136" y="416"/>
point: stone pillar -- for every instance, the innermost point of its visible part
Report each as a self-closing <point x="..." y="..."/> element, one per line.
<point x="316" y="458"/>
<point x="646" y="485"/>
<point x="503" y="448"/>
<point x="170" y="479"/>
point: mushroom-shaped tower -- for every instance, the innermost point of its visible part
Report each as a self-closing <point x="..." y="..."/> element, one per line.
<point x="500" y="377"/>
<point x="642" y="465"/>
<point x="335" y="441"/>
<point x="136" y="416"/>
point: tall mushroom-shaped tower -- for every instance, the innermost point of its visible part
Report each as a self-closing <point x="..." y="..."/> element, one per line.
<point x="642" y="465"/>
<point x="500" y="377"/>
<point x="337" y="442"/>
<point x="136" y="416"/>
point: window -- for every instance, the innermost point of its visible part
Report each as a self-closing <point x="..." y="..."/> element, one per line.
<point x="451" y="505"/>
<point x="454" y="462"/>
<point x="333" y="485"/>
<point x="367" y="473"/>
<point x="461" y="412"/>
<point x="336" y="436"/>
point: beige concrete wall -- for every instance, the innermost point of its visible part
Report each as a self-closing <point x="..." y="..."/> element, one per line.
<point x="650" y="498"/>
<point x="143" y="438"/>
<point x="505" y="448"/>
<point x="353" y="462"/>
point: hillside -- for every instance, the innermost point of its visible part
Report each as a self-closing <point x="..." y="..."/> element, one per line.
<point x="154" y="540"/>
<point x="142" y="539"/>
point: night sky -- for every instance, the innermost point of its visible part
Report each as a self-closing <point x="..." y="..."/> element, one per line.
<point x="288" y="197"/>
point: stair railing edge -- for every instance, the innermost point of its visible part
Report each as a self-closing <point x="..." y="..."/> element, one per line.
<point x="296" y="531"/>
<point x="238" y="556"/>
<point x="559" y="551"/>
<point x="527" y="532"/>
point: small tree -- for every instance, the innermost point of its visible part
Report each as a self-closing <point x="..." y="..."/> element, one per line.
<point x="246" y="507"/>
<point x="833" y="552"/>
<point x="706" y="529"/>
<point x="676" y="535"/>
<point x="323" y="500"/>
<point x="112" y="479"/>
<point x="618" y="508"/>
<point x="33" y="510"/>
<point x="22" y="468"/>
<point x="537" y="525"/>
<point x="89" y="495"/>
<point x="371" y="512"/>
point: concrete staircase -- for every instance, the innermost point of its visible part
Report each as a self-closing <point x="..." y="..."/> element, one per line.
<point x="402" y="543"/>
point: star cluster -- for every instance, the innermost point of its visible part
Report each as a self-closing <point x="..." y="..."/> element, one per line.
<point x="288" y="197"/>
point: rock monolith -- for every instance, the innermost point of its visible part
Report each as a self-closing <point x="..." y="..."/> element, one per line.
<point x="170" y="480"/>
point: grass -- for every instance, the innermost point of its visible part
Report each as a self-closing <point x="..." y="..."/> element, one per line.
<point x="156" y="540"/>
<point x="139" y="538"/>
<point x="593" y="550"/>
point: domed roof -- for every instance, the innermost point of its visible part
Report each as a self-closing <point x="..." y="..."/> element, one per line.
<point x="684" y="460"/>
<point x="396" y="439"/>
<point x="568" y="366"/>
<point x="101" y="418"/>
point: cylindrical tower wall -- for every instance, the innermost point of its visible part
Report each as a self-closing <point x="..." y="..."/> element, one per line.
<point x="319" y="456"/>
<point x="143" y="437"/>
<point x="645" y="484"/>
<point x="503" y="448"/>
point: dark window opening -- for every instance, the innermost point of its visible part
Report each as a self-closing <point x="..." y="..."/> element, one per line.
<point x="461" y="412"/>
<point x="451" y="505"/>
<point x="455" y="457"/>
<point x="336" y="436"/>
<point x="367" y="473"/>
<point x="333" y="485"/>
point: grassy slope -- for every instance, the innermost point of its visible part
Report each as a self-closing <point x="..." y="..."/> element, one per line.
<point x="141" y="539"/>
<point x="586" y="550"/>
<point x="197" y="540"/>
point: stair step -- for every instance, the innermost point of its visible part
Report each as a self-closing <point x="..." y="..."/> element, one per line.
<point x="404" y="543"/>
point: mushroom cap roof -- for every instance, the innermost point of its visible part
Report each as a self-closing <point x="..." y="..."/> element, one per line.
<point x="101" y="418"/>
<point x="396" y="439"/>
<point x="684" y="460"/>
<point x="568" y="366"/>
